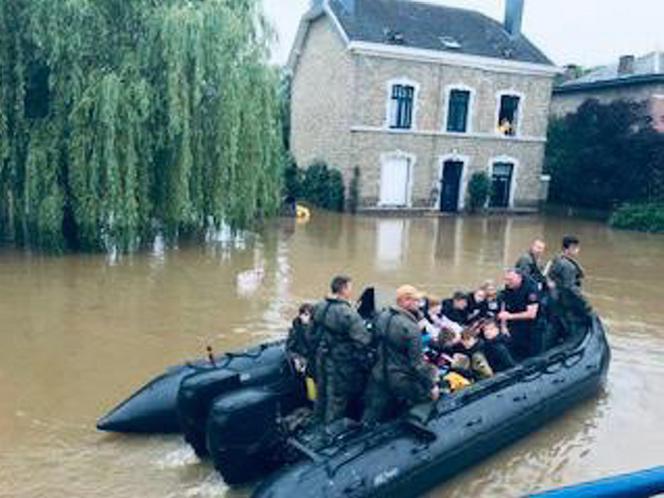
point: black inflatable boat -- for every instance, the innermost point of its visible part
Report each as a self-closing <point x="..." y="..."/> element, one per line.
<point x="405" y="457"/>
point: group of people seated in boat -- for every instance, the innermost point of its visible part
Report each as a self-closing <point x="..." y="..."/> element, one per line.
<point x="423" y="346"/>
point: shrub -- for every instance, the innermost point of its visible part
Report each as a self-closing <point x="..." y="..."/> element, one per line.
<point x="643" y="217"/>
<point x="479" y="190"/>
<point x="605" y="155"/>
<point x="323" y="187"/>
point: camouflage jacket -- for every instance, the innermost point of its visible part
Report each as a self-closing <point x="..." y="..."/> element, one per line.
<point x="338" y="330"/>
<point x="528" y="265"/>
<point x="566" y="273"/>
<point x="400" y="362"/>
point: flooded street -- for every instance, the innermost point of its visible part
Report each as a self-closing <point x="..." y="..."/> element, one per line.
<point x="80" y="333"/>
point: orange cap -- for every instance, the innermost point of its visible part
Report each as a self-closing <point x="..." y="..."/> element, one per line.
<point x="408" y="291"/>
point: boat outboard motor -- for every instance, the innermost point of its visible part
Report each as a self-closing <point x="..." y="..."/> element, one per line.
<point x="194" y="399"/>
<point x="244" y="433"/>
<point x="266" y="365"/>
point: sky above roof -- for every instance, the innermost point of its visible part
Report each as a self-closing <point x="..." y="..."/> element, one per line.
<point x="585" y="32"/>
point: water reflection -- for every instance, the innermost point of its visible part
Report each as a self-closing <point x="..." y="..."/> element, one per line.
<point x="80" y="332"/>
<point x="392" y="240"/>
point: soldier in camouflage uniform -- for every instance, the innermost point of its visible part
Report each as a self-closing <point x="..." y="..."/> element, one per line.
<point x="565" y="279"/>
<point x="341" y="353"/>
<point x="529" y="263"/>
<point x="400" y="377"/>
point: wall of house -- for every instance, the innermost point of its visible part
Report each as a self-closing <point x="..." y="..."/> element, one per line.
<point x="429" y="142"/>
<point x="565" y="103"/>
<point x="321" y="99"/>
<point x="374" y="73"/>
<point x="429" y="151"/>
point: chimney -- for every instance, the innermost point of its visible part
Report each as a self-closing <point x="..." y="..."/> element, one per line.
<point x="626" y="65"/>
<point x="571" y="72"/>
<point x="513" y="16"/>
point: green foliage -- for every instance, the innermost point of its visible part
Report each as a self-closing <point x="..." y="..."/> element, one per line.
<point x="643" y="217"/>
<point x="293" y="177"/>
<point x="122" y="117"/>
<point x="605" y="155"/>
<point x="479" y="191"/>
<point x="323" y="187"/>
<point x="285" y="107"/>
<point x="354" y="191"/>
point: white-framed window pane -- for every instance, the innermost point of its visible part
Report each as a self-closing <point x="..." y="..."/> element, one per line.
<point x="509" y="114"/>
<point x="401" y="106"/>
<point x="457" y="112"/>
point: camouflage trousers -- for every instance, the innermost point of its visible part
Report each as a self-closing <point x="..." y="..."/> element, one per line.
<point x="340" y="389"/>
<point x="383" y="401"/>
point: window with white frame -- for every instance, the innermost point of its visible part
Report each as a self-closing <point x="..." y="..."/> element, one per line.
<point x="402" y="102"/>
<point x="458" y="110"/>
<point x="508" y="115"/>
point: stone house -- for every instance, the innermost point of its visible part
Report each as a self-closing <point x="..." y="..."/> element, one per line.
<point x="418" y="97"/>
<point x="637" y="79"/>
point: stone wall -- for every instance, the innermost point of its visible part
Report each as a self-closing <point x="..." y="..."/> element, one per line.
<point x="429" y="151"/>
<point x="321" y="99"/>
<point x="374" y="73"/>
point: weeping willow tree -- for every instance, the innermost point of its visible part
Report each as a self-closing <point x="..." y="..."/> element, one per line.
<point x="120" y="118"/>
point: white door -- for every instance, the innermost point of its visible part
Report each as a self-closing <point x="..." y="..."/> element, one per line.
<point x="394" y="174"/>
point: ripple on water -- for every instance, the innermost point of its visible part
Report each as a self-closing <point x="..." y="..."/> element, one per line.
<point x="177" y="458"/>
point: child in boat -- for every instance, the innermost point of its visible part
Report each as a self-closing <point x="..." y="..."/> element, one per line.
<point x="299" y="344"/>
<point x="433" y="321"/>
<point x="477" y="305"/>
<point x="473" y="344"/>
<point x="456" y="308"/>
<point x="461" y="353"/>
<point x="496" y="347"/>
<point x="492" y="304"/>
<point x="428" y="321"/>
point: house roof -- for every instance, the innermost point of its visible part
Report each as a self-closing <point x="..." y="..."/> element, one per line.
<point x="428" y="26"/>
<point x="647" y="69"/>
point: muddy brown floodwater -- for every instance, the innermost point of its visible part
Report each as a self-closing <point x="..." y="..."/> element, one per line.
<point x="80" y="333"/>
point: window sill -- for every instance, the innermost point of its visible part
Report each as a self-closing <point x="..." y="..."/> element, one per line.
<point x="400" y="130"/>
<point x="465" y="136"/>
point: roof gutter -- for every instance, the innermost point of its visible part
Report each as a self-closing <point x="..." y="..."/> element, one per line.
<point x="471" y="61"/>
<point x="643" y="79"/>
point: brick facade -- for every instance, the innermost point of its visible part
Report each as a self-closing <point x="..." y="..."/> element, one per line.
<point x="339" y="114"/>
